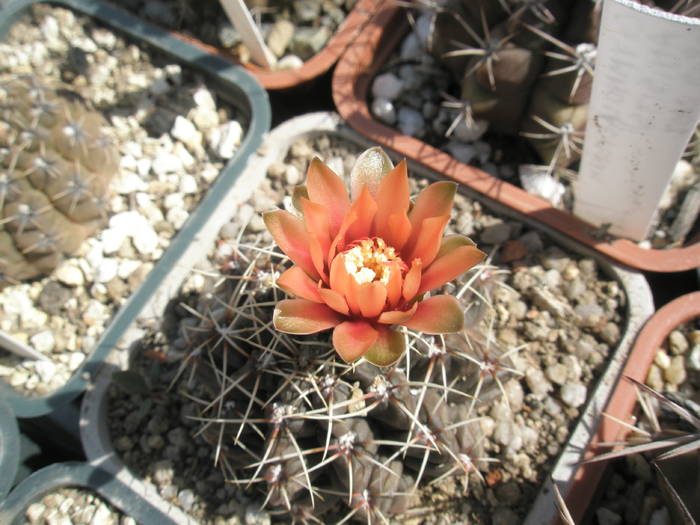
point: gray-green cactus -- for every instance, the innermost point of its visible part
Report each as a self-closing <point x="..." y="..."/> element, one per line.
<point x="55" y="169"/>
<point x="319" y="439"/>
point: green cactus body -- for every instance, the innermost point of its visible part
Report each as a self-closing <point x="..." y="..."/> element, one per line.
<point x="55" y="168"/>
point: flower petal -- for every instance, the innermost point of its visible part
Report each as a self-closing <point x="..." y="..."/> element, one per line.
<point x="392" y="199"/>
<point x="440" y="314"/>
<point x="317" y="256"/>
<point x="427" y="244"/>
<point x="352" y="339"/>
<point x="369" y="170"/>
<point x="395" y="284"/>
<point x="411" y="281"/>
<point x="387" y="349"/>
<point x="366" y="208"/>
<point x="298" y="193"/>
<point x="456" y="255"/>
<point x="318" y="222"/>
<point x="290" y="235"/>
<point x="335" y="300"/>
<point x="372" y="299"/>
<point x="328" y="190"/>
<point x="398" y="316"/>
<point x="398" y="231"/>
<point x="296" y="281"/>
<point x="343" y="283"/>
<point x="433" y="201"/>
<point x="299" y="316"/>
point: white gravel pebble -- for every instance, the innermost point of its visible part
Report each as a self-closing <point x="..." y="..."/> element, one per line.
<point x="387" y="86"/>
<point x="573" y="394"/>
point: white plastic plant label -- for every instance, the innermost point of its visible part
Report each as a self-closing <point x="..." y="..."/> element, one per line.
<point x="644" y="107"/>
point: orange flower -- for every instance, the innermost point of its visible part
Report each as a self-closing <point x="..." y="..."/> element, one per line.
<point x="363" y="265"/>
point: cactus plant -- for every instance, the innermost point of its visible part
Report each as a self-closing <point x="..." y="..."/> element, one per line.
<point x="319" y="437"/>
<point x="55" y="167"/>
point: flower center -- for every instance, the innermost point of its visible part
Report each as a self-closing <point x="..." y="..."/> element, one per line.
<point x="370" y="260"/>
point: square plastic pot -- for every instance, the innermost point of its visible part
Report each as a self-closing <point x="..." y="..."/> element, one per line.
<point x="9" y="448"/>
<point x="352" y="80"/>
<point x="94" y="429"/>
<point x="72" y="475"/>
<point x="237" y="87"/>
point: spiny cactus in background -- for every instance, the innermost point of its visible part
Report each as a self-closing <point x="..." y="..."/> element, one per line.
<point x="317" y="437"/>
<point x="55" y="169"/>
<point x="516" y="73"/>
<point x="322" y="439"/>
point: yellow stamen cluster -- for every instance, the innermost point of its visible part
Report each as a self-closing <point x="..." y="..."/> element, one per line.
<point x="369" y="260"/>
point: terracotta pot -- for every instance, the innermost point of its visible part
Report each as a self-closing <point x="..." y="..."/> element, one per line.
<point x="623" y="401"/>
<point x="316" y="65"/>
<point x="351" y="84"/>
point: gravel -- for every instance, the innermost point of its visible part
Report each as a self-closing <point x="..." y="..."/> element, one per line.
<point x="74" y="506"/>
<point x="173" y="135"/>
<point x="562" y="354"/>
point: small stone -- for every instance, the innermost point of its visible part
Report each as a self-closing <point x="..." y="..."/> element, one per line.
<point x="410" y="122"/>
<point x="471" y="132"/>
<point x="677" y="343"/>
<point x="675" y="373"/>
<point x="464" y="153"/>
<point x="177" y="216"/>
<point x="256" y="516"/>
<point x="655" y="378"/>
<point x="280" y="36"/>
<point x="53" y="297"/>
<point x="607" y="517"/>
<point x="557" y="373"/>
<point x="496" y="233"/>
<point x="573" y="394"/>
<point x="188" y="185"/>
<point x="289" y="63"/>
<point x="387" y="86"/>
<point x="75" y="359"/>
<point x="384" y="110"/>
<point x="186" y="499"/>
<point x="43" y="342"/>
<point x="35" y="511"/>
<point x="610" y="333"/>
<point x="102" y="515"/>
<point x="226" y="139"/>
<point x="69" y="274"/>
<point x="537" y="382"/>
<point x="512" y="251"/>
<point x="145" y="239"/>
<point x="694" y="357"/>
<point x="166" y="162"/>
<point x="292" y="175"/>
<point x="538" y="182"/>
<point x="45" y="370"/>
<point x="660" y="517"/>
<point x="662" y="360"/>
<point x="107" y="270"/>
